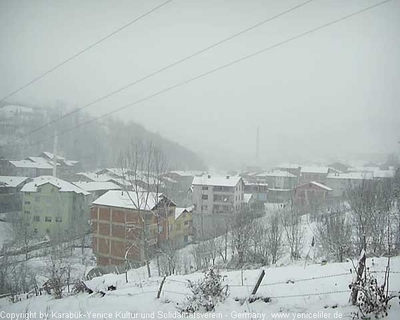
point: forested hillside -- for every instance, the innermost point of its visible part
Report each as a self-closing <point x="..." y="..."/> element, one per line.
<point x="94" y="142"/>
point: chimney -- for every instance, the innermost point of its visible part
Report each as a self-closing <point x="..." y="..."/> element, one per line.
<point x="209" y="176"/>
<point x="227" y="177"/>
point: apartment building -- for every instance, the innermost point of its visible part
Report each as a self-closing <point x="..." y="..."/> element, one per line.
<point x="217" y="194"/>
<point x="122" y="221"/>
<point x="52" y="206"/>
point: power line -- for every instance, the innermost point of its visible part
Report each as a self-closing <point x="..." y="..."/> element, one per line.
<point x="84" y="50"/>
<point x="157" y="72"/>
<point x="215" y="70"/>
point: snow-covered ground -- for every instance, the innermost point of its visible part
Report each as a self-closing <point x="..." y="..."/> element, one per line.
<point x="299" y="291"/>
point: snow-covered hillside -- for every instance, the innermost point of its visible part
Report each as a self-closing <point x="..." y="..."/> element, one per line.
<point x="301" y="291"/>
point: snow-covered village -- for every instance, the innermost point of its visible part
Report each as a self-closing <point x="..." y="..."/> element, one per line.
<point x="173" y="159"/>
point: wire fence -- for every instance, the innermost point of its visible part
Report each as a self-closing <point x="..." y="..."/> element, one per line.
<point x="288" y="281"/>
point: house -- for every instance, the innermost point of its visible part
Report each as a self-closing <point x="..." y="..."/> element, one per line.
<point x="340" y="183"/>
<point x="278" y="179"/>
<point x="55" y="207"/>
<point x="249" y="204"/>
<point x="259" y="191"/>
<point x="311" y="193"/>
<point x="181" y="228"/>
<point x="10" y="195"/>
<point x="280" y="184"/>
<point x="291" y="168"/>
<point x="180" y="183"/>
<point x="65" y="166"/>
<point x="215" y="200"/>
<point x="96" y="188"/>
<point x="383" y="174"/>
<point x="28" y="168"/>
<point x="103" y="177"/>
<point x="122" y="221"/>
<point x="217" y="194"/>
<point x="341" y="167"/>
<point x="129" y="179"/>
<point x="315" y="173"/>
<point x="16" y="112"/>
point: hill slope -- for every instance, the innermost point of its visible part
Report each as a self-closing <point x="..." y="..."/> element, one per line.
<point x="96" y="144"/>
<point x="296" y="292"/>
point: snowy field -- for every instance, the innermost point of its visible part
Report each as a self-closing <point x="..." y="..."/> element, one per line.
<point x="297" y="291"/>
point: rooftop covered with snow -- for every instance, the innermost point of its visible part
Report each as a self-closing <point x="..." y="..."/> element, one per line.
<point x="96" y="185"/>
<point x="314" y="169"/>
<point x="317" y="184"/>
<point x="351" y="175"/>
<point x="129" y="200"/>
<point x="179" y="211"/>
<point x="30" y="164"/>
<point x="223" y="181"/>
<point x="276" y="173"/>
<point x="11" y="181"/>
<point x="63" y="186"/>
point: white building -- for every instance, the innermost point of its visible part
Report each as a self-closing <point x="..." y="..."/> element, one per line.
<point x="342" y="182"/>
<point x="216" y="194"/>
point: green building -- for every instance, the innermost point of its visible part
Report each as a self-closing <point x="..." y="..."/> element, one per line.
<point x="55" y="207"/>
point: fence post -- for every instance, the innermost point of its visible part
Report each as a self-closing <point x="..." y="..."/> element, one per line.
<point x="160" y="289"/>
<point x="360" y="271"/>
<point x="260" y="278"/>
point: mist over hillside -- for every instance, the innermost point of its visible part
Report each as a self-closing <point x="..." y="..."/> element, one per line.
<point x="96" y="143"/>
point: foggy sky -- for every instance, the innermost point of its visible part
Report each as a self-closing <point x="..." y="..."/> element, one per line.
<point x="326" y="96"/>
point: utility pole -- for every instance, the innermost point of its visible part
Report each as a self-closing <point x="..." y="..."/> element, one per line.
<point x="258" y="144"/>
<point x="55" y="156"/>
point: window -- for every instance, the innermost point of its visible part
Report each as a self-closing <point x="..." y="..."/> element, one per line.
<point x="27" y="212"/>
<point x="204" y="196"/>
<point x="47" y="219"/>
<point x="186" y="239"/>
<point x="217" y="197"/>
<point x="36" y="218"/>
<point x="58" y="219"/>
<point x="27" y="202"/>
<point x="35" y="231"/>
<point x="160" y="229"/>
<point x="204" y="188"/>
<point x="186" y="222"/>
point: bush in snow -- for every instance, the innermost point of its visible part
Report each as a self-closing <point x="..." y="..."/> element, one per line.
<point x="373" y="299"/>
<point x="206" y="293"/>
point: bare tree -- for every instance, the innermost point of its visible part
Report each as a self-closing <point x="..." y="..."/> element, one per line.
<point x="291" y="222"/>
<point x="221" y="242"/>
<point x="334" y="234"/>
<point x="275" y="242"/>
<point x="142" y="165"/>
<point x="371" y="204"/>
<point x="242" y="227"/>
<point x="22" y="233"/>
<point x="169" y="258"/>
<point x="363" y="202"/>
<point x="260" y="245"/>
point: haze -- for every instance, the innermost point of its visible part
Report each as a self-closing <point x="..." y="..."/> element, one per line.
<point x="327" y="96"/>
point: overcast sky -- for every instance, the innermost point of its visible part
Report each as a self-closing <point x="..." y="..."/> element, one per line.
<point x="328" y="95"/>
